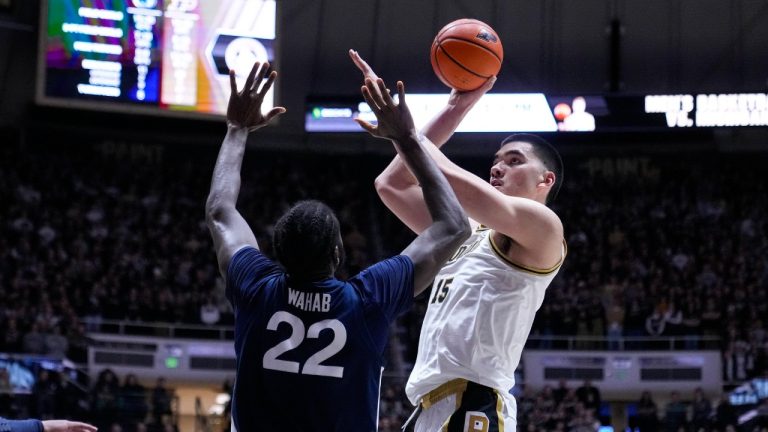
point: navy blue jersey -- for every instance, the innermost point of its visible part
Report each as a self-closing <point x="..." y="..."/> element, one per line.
<point x="310" y="355"/>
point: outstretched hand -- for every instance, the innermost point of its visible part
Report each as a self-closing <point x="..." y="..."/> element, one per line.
<point x="364" y="67"/>
<point x="244" y="109"/>
<point x="361" y="64"/>
<point x="394" y="119"/>
<point x="468" y="99"/>
<point x="66" y="426"/>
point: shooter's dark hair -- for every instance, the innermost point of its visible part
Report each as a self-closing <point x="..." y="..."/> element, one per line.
<point x="548" y="155"/>
<point x="305" y="238"/>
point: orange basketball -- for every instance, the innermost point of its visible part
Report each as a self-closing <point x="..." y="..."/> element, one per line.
<point x="466" y="53"/>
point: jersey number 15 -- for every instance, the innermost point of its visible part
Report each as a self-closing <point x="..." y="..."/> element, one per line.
<point x="441" y="288"/>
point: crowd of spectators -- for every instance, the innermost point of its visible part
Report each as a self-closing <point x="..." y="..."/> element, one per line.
<point x="561" y="409"/>
<point x="107" y="403"/>
<point x="679" y="251"/>
<point x="656" y="247"/>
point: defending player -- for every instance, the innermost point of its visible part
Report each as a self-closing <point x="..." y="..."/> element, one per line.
<point x="483" y="301"/>
<point x="309" y="346"/>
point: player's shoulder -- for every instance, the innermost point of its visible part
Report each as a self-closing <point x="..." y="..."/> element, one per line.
<point x="556" y="223"/>
<point x="539" y="214"/>
<point x="389" y="266"/>
<point x="387" y="274"/>
<point x="543" y="242"/>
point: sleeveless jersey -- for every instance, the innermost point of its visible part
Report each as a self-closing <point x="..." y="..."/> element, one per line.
<point x="480" y="311"/>
<point x="310" y="355"/>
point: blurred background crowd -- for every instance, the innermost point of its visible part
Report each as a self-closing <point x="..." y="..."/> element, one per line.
<point x="655" y="248"/>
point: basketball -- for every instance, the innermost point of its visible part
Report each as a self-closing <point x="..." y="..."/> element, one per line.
<point x="465" y="53"/>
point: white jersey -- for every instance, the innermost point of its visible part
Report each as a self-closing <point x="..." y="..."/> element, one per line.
<point x="480" y="312"/>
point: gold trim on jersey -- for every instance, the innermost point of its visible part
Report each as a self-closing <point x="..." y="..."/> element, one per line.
<point x="456" y="386"/>
<point x="533" y="270"/>
<point x="499" y="415"/>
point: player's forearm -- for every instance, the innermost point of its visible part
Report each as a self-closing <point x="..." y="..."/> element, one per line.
<point x="440" y="199"/>
<point x="441" y="127"/>
<point x="438" y="131"/>
<point x="225" y="183"/>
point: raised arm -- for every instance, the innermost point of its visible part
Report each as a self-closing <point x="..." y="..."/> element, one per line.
<point x="396" y="186"/>
<point x="449" y="226"/>
<point x="528" y="223"/>
<point x="228" y="228"/>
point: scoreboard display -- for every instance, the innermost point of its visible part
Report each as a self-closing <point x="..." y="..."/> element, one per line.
<point x="538" y="112"/>
<point x="151" y="56"/>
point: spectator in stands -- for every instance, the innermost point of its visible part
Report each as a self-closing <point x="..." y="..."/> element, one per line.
<point x="546" y="399"/>
<point x="71" y="400"/>
<point x="571" y="401"/>
<point x="711" y="323"/>
<point x="647" y="418"/>
<point x="560" y="392"/>
<point x="77" y="342"/>
<point x="133" y="400"/>
<point x="615" y="319"/>
<point x="596" y="315"/>
<point x="673" y="320"/>
<point x="385" y="424"/>
<point x="34" y="341"/>
<point x="634" y="318"/>
<point x="5" y="392"/>
<point x="161" y="401"/>
<point x="11" y="339"/>
<point x="702" y="410"/>
<point x="56" y="345"/>
<point x="725" y="415"/>
<point x="105" y="398"/>
<point x="209" y="312"/>
<point x="44" y="395"/>
<point x="589" y="396"/>
<point x="655" y="323"/>
<point x="691" y="323"/>
<point x="526" y="404"/>
<point x="675" y="413"/>
<point x="586" y="422"/>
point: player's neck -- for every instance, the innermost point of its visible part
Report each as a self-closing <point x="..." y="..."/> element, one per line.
<point x="310" y="277"/>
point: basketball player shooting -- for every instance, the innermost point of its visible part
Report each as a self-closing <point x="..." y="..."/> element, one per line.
<point x="310" y="347"/>
<point x="483" y="301"/>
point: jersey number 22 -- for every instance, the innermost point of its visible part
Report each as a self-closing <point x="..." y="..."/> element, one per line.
<point x="313" y="365"/>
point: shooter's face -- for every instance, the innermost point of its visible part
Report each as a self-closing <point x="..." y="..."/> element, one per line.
<point x="517" y="171"/>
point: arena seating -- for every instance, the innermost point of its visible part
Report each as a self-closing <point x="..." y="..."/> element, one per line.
<point x="673" y="249"/>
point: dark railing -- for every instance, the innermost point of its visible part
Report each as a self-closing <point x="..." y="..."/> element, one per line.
<point x="569" y="343"/>
<point x="628" y="343"/>
<point x="161" y="330"/>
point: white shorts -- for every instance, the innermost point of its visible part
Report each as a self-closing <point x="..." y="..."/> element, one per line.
<point x="465" y="406"/>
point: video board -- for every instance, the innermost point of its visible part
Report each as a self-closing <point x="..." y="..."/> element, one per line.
<point x="151" y="56"/>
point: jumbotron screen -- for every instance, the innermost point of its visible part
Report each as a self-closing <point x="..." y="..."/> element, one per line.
<point x="151" y="56"/>
<point x="539" y="112"/>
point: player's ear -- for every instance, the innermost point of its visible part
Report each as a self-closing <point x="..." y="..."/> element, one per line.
<point x="548" y="179"/>
<point x="337" y="255"/>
